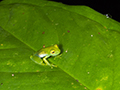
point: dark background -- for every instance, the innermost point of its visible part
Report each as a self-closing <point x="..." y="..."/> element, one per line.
<point x="111" y="7"/>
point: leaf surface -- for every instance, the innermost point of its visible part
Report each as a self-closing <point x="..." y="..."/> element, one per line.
<point x="89" y="43"/>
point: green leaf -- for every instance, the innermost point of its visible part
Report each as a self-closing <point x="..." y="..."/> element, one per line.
<point x="89" y="42"/>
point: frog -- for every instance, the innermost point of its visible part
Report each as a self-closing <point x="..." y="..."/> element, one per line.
<point x="40" y="57"/>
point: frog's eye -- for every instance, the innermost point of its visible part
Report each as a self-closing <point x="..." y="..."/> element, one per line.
<point x="52" y="51"/>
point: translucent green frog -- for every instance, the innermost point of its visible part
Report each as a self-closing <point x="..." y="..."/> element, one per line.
<point x="40" y="56"/>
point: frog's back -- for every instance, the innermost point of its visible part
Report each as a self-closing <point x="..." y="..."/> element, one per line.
<point x="48" y="51"/>
<point x="41" y="53"/>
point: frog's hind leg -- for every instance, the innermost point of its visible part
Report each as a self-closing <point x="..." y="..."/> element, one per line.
<point x="37" y="60"/>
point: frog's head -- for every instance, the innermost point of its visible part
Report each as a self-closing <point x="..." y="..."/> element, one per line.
<point x="54" y="50"/>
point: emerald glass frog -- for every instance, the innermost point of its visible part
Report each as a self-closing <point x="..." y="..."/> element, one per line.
<point x="41" y="55"/>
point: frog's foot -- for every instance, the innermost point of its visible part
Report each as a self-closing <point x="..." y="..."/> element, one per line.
<point x="58" y="56"/>
<point x="52" y="65"/>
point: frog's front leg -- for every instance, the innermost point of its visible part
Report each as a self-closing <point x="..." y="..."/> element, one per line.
<point x="47" y="63"/>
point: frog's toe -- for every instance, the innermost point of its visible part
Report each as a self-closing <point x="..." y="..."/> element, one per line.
<point x="52" y="65"/>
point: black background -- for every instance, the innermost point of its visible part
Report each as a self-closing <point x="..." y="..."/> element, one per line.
<point x="111" y="7"/>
